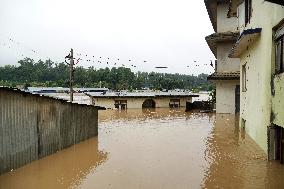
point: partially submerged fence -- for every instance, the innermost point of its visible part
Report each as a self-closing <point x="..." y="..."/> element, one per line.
<point x="34" y="126"/>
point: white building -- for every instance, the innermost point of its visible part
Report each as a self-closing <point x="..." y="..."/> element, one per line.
<point x="260" y="48"/>
<point x="227" y="70"/>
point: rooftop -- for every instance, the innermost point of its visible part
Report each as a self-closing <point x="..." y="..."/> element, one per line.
<point x="62" y="89"/>
<point x="148" y="94"/>
<point x="224" y="76"/>
<point x="211" y="6"/>
<point x="16" y="90"/>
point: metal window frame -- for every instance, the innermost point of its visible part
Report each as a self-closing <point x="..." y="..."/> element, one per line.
<point x="248" y="11"/>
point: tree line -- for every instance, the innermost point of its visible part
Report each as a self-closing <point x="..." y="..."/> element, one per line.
<point x="50" y="74"/>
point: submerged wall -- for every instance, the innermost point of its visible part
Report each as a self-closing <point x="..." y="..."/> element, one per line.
<point x="225" y="96"/>
<point x="258" y="58"/>
<point x="136" y="103"/>
<point x="32" y="126"/>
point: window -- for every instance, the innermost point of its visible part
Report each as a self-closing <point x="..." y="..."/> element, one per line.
<point x="244" y="78"/>
<point x="279" y="50"/>
<point x="174" y="103"/>
<point x="248" y="11"/>
<point x="120" y="104"/>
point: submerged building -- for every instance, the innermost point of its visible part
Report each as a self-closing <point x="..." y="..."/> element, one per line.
<point x="125" y="100"/>
<point x="227" y="70"/>
<point x="260" y="49"/>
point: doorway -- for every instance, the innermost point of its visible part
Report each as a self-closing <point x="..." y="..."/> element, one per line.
<point x="279" y="144"/>
<point x="237" y="99"/>
<point x="149" y="103"/>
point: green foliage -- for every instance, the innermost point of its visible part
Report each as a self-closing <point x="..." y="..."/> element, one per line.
<point x="50" y="74"/>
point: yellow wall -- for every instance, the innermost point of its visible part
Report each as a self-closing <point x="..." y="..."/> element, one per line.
<point x="137" y="102"/>
<point x="256" y="101"/>
<point x="278" y="100"/>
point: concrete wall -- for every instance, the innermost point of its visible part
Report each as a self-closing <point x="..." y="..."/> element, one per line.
<point x="256" y="101"/>
<point x="225" y="96"/>
<point x="226" y="64"/>
<point x="278" y="100"/>
<point x="241" y="16"/>
<point x="32" y="127"/>
<point x="161" y="102"/>
<point x="225" y="90"/>
<point x="225" y="24"/>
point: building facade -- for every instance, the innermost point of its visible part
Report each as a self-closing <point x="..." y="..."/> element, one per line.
<point x="260" y="50"/>
<point x="226" y="76"/>
<point x="126" y="100"/>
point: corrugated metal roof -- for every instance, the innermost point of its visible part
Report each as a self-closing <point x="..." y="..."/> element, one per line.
<point x="141" y="94"/>
<point x="224" y="76"/>
<point x="60" y="89"/>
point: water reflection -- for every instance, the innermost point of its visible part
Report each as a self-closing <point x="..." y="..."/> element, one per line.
<point x="236" y="161"/>
<point x="159" y="148"/>
<point x="65" y="169"/>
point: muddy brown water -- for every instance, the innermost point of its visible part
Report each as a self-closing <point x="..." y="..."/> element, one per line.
<point x="155" y="149"/>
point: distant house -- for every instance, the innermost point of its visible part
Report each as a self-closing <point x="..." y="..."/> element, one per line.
<point x="260" y="48"/>
<point x="227" y="70"/>
<point x="125" y="100"/>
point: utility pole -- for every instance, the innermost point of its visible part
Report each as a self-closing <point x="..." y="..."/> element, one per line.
<point x="71" y="74"/>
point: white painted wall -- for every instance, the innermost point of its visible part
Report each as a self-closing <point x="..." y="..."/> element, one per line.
<point x="225" y="96"/>
<point x="224" y="63"/>
<point x="278" y="100"/>
<point x="241" y="17"/>
<point x="225" y="24"/>
<point x="225" y="90"/>
<point x="256" y="101"/>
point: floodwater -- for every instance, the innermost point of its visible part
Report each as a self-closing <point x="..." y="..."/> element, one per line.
<point x="155" y="149"/>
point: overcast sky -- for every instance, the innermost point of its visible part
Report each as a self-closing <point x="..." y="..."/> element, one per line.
<point x="161" y="32"/>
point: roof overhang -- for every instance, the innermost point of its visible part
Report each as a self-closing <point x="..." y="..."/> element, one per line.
<point x="116" y="96"/>
<point x="224" y="76"/>
<point x="279" y="2"/>
<point x="233" y="8"/>
<point x="215" y="38"/>
<point x="246" y="38"/>
<point x="211" y="6"/>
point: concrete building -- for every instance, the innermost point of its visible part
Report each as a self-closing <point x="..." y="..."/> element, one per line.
<point x="260" y="48"/>
<point x="226" y="76"/>
<point x="124" y="100"/>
